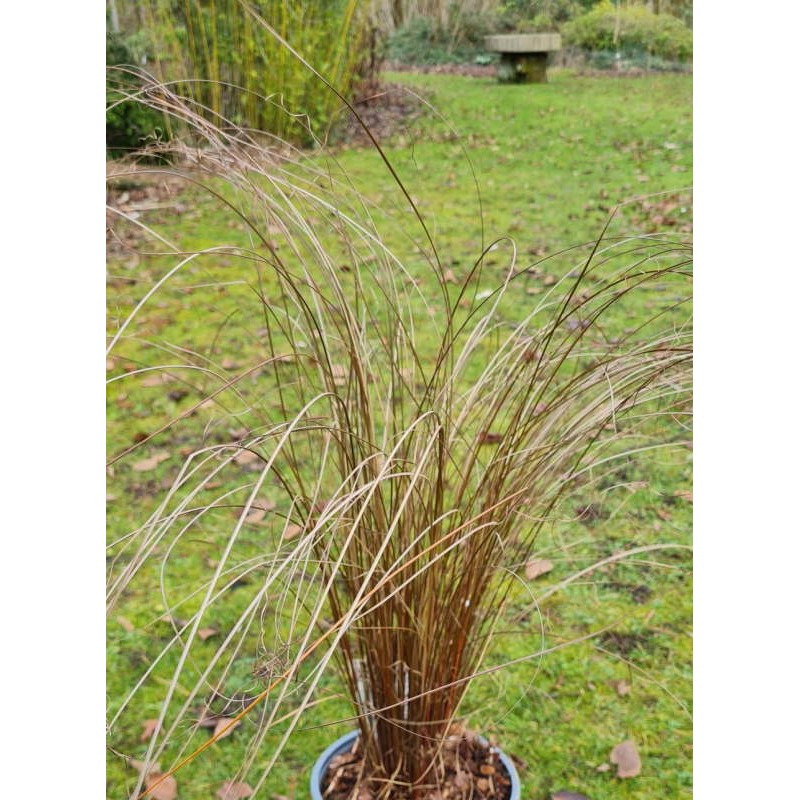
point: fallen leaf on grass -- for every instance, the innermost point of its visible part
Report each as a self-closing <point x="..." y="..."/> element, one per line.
<point x="225" y="727"/>
<point x="450" y="276"/>
<point x="255" y="515"/>
<point x="626" y="757"/>
<point x="150" y="463"/>
<point x="291" y="531"/>
<point x="157" y="379"/>
<point x="246" y="457"/>
<point x="228" y="363"/>
<point x="148" y="729"/>
<point x="622" y="687"/>
<point x="234" y="790"/>
<point x="536" y="567"/>
<point x="207" y="633"/>
<point x="166" y="789"/>
<point x="684" y="495"/>
<point x="126" y="624"/>
<point x="155" y="787"/>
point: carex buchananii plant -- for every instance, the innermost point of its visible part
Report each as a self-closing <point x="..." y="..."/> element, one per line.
<point x="412" y="445"/>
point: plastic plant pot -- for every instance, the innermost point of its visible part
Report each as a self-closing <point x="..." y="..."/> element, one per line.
<point x="343" y="744"/>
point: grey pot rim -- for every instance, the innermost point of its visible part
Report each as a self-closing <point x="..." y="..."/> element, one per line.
<point x="343" y="743"/>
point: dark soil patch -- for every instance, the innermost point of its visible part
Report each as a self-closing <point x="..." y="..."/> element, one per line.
<point x="465" y="768"/>
<point x="470" y="70"/>
<point x="638" y="593"/>
<point x="625" y="643"/>
<point x="386" y="109"/>
<point x="130" y="192"/>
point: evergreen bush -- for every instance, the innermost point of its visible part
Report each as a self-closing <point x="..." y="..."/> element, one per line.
<point x="629" y="30"/>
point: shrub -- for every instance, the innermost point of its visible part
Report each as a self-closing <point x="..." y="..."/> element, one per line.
<point x="424" y="41"/>
<point x="532" y="16"/>
<point x="629" y="30"/>
<point x="129" y="125"/>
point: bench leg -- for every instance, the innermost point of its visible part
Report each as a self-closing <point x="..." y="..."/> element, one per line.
<point x="523" y="68"/>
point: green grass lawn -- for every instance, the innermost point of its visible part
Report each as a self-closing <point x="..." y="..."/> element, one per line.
<point x="551" y="163"/>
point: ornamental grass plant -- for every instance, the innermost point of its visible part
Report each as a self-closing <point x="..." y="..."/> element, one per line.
<point x="403" y="448"/>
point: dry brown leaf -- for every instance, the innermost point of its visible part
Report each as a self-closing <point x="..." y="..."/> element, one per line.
<point x="158" y="789"/>
<point x="622" y="687"/>
<point x="536" y="567"/>
<point x="225" y="727"/>
<point x="228" y="363"/>
<point x="462" y="781"/>
<point x="150" y="463"/>
<point x="139" y="766"/>
<point x="626" y="757"/>
<point x="246" y="457"/>
<point x="450" y="276"/>
<point x="207" y="633"/>
<point x="234" y="790"/>
<point x="157" y="379"/>
<point x="255" y="515"/>
<point x="155" y="787"/>
<point x="126" y="624"/>
<point x="684" y="495"/>
<point x="486" y="769"/>
<point x="148" y="729"/>
<point x="208" y="720"/>
<point x="291" y="531"/>
<point x="550" y="280"/>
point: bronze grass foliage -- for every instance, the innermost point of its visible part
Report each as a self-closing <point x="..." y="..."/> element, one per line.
<point x="419" y="447"/>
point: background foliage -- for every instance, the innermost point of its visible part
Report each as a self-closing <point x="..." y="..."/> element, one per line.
<point x="630" y="29"/>
<point x="129" y="125"/>
<point x="223" y="57"/>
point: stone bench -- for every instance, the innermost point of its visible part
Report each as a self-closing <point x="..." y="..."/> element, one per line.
<point x="523" y="56"/>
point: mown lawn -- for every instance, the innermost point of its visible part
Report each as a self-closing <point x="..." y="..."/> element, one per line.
<point x="551" y="162"/>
